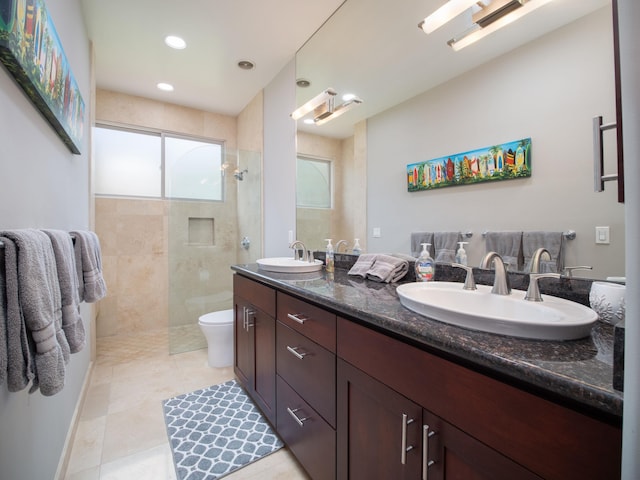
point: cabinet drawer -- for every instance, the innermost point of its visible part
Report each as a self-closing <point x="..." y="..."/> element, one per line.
<point x="310" y="438"/>
<point x="309" y="368"/>
<point x="258" y="295"/>
<point x="313" y="322"/>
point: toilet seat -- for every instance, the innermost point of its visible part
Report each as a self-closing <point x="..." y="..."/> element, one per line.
<point x="222" y="317"/>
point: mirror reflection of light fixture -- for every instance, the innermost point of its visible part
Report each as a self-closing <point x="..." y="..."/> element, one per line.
<point x="445" y="13"/>
<point x="316" y="102"/>
<point x="494" y="21"/>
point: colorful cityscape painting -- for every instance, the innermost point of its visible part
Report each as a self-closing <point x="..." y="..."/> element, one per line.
<point x="499" y="162"/>
<point x="31" y="51"/>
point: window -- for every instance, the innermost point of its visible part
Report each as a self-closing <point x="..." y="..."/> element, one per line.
<point x="131" y="163"/>
<point x="313" y="183"/>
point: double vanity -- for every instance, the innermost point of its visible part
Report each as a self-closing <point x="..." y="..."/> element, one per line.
<point x="361" y="387"/>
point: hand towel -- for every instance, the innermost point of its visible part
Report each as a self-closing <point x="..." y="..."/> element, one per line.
<point x="417" y="239"/>
<point x="91" y="285"/>
<point x="445" y="245"/>
<point x="20" y="368"/>
<point x="363" y="265"/>
<point x="552" y="241"/>
<point x="388" y="269"/>
<point x="64" y="254"/>
<point x="40" y="305"/>
<point x="508" y="245"/>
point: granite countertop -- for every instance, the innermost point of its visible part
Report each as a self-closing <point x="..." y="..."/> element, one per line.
<point x="579" y="372"/>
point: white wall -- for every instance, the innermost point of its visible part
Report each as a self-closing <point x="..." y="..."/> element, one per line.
<point x="43" y="185"/>
<point x="279" y="163"/>
<point x="548" y="90"/>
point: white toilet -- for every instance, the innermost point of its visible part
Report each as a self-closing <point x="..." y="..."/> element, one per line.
<point x="217" y="328"/>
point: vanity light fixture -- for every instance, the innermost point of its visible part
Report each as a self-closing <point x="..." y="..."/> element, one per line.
<point x="320" y="100"/>
<point x="340" y="109"/>
<point x="486" y="24"/>
<point x="174" y="41"/>
<point x="445" y="14"/>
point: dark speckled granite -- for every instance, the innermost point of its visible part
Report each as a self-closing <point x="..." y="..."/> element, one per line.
<point x="577" y="372"/>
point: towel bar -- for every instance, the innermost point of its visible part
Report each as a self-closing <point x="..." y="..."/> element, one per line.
<point x="569" y="234"/>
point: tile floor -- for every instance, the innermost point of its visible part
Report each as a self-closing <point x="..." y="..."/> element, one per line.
<point x="121" y="433"/>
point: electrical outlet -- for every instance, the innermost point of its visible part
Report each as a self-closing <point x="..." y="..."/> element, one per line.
<point x="602" y="235"/>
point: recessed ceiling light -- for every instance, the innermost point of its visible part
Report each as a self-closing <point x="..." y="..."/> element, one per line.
<point x="167" y="87"/>
<point x="303" y="83"/>
<point x="175" y="42"/>
<point x="246" y="65"/>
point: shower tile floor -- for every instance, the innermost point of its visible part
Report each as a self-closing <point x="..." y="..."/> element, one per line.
<point x="121" y="433"/>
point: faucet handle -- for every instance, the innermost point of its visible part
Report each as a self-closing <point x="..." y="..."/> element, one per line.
<point x="569" y="270"/>
<point x="533" y="292"/>
<point x="469" y="281"/>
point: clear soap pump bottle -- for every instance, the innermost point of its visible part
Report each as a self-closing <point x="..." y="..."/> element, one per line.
<point x="461" y="254"/>
<point x="329" y="261"/>
<point x="425" y="266"/>
<point x="357" y="249"/>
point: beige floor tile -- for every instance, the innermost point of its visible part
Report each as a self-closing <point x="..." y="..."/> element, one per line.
<point x="152" y="464"/>
<point x="134" y="430"/>
<point x="86" y="451"/>
<point x="96" y="403"/>
<point x="92" y="473"/>
<point x="152" y="388"/>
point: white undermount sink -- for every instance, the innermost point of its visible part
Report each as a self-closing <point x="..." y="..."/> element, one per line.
<point x="552" y="319"/>
<point x="289" y="265"/>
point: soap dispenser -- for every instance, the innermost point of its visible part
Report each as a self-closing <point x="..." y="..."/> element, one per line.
<point x="329" y="262"/>
<point x="425" y="266"/>
<point x="461" y="254"/>
<point x="357" y="250"/>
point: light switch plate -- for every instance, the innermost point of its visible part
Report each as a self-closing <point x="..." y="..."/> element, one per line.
<point x="376" y="232"/>
<point x="602" y="235"/>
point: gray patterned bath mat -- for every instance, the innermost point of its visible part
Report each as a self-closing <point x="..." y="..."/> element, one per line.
<point x="215" y="431"/>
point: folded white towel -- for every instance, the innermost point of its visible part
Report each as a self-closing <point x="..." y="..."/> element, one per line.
<point x="68" y="279"/>
<point x="388" y="269"/>
<point x="91" y="285"/>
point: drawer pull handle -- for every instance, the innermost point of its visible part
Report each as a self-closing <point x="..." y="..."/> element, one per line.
<point x="299" y="421"/>
<point x="403" y="454"/>
<point x="297" y="317"/>
<point x="294" y="350"/>
<point x="426" y="463"/>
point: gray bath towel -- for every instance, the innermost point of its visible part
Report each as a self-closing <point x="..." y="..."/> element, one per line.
<point x="20" y="368"/>
<point x="388" y="269"/>
<point x="508" y="245"/>
<point x="417" y="239"/>
<point x="552" y="241"/>
<point x="68" y="280"/>
<point x="445" y="245"/>
<point x="40" y="306"/>
<point x="363" y="265"/>
<point x="91" y="285"/>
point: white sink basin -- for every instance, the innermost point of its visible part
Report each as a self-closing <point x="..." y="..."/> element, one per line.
<point x="552" y="319"/>
<point x="288" y="265"/>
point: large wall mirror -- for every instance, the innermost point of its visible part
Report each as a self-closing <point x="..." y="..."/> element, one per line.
<point x="376" y="51"/>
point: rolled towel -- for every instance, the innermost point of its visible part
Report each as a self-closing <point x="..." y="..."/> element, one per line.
<point x="445" y="244"/>
<point x="508" y="245"/>
<point x="91" y="285"/>
<point x="68" y="279"/>
<point x="363" y="265"/>
<point x="388" y="269"/>
<point x="552" y="241"/>
<point x="417" y="239"/>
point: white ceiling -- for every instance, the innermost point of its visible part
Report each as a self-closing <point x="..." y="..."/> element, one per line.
<point x="131" y="57"/>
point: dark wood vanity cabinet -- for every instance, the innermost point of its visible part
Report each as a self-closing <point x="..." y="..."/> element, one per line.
<point x="354" y="403"/>
<point x="254" y="342"/>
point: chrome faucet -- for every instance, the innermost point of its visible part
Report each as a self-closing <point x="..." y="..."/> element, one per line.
<point x="535" y="259"/>
<point x="501" y="279"/>
<point x="533" y="292"/>
<point x="296" y="252"/>
<point x="340" y="243"/>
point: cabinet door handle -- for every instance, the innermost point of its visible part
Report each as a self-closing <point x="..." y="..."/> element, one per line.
<point x="299" y="421"/>
<point x="403" y="454"/>
<point x="426" y="463"/>
<point x="248" y="312"/>
<point x="297" y="317"/>
<point x="294" y="350"/>
<point x="598" y="160"/>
